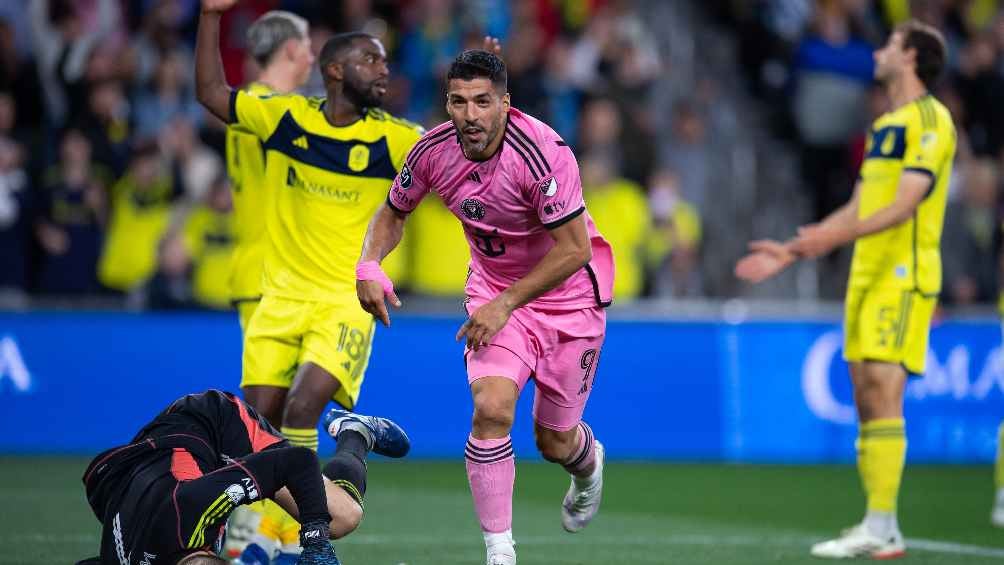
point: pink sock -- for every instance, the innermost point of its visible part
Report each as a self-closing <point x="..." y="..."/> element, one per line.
<point x="491" y="470"/>
<point x="580" y="462"/>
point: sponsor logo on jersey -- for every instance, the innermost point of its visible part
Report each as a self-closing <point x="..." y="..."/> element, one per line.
<point x="347" y="196"/>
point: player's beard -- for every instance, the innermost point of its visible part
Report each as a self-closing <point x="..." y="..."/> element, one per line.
<point x="362" y="95"/>
<point x="487" y="138"/>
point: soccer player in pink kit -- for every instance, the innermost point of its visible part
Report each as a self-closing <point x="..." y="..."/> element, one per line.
<point x="540" y="276"/>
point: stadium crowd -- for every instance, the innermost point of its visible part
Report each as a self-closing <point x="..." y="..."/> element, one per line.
<point x="113" y="182"/>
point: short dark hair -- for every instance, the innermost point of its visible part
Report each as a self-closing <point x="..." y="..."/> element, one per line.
<point x="929" y="45"/>
<point x="334" y="47"/>
<point x="476" y="63"/>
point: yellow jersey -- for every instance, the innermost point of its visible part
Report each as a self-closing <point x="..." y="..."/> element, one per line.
<point x="209" y="237"/>
<point x="325" y="183"/>
<point x="917" y="137"/>
<point x="246" y="169"/>
<point x="139" y="219"/>
<point x="622" y="215"/>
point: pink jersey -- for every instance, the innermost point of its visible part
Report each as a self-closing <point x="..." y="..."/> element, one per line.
<point x="506" y="205"/>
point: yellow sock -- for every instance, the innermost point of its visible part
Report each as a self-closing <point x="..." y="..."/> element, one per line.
<point x="303" y="437"/>
<point x="999" y="465"/>
<point x="881" y="455"/>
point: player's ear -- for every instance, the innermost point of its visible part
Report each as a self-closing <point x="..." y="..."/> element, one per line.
<point x="335" y="71"/>
<point x="506" y="101"/>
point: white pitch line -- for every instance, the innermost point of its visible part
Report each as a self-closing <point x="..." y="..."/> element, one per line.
<point x="792" y="540"/>
<point x="926" y="545"/>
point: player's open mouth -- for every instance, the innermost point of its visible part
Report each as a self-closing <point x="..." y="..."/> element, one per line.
<point x="473" y="133"/>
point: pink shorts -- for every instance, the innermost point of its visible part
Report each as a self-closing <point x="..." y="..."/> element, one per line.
<point x="559" y="350"/>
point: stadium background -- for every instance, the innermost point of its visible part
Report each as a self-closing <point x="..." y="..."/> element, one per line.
<point x="697" y="125"/>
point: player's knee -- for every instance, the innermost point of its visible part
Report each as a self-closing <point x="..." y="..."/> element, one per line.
<point x="346" y="520"/>
<point x="492" y="412"/>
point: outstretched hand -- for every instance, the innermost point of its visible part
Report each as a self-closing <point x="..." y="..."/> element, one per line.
<point x="767" y="258"/>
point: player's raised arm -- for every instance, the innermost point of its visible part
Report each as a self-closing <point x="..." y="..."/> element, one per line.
<point x="210" y="83"/>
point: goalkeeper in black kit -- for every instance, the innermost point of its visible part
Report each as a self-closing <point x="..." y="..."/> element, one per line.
<point x="164" y="498"/>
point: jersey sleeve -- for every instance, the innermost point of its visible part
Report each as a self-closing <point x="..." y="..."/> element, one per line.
<point x="557" y="196"/>
<point x="412" y="183"/>
<point x="925" y="146"/>
<point x="259" y="115"/>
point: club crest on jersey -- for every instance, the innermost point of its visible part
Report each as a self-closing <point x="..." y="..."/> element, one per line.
<point x="359" y="158"/>
<point x="548" y="186"/>
<point x="473" y="209"/>
<point x="405" y="177"/>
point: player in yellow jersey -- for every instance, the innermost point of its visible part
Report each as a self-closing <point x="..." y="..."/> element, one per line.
<point x="895" y="218"/>
<point x="328" y="164"/>
<point x="280" y="44"/>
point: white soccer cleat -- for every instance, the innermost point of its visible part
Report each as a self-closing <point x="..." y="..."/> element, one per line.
<point x="997" y="516"/>
<point x="859" y="542"/>
<point x="581" y="505"/>
<point x="502" y="554"/>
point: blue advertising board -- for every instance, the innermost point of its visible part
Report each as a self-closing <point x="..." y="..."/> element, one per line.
<point x="757" y="391"/>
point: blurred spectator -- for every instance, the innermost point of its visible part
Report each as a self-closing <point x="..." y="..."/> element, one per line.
<point x="169" y="96"/>
<point x="72" y="214"/>
<point x="18" y="78"/>
<point x="687" y="153"/>
<point x="833" y="71"/>
<point x="107" y="125"/>
<point x="159" y="37"/>
<point x="971" y="237"/>
<point x="195" y="263"/>
<point x="620" y="210"/>
<point x="14" y="216"/>
<point x="197" y="165"/>
<point x="141" y="203"/>
<point x="64" y="41"/>
<point x="981" y="86"/>
<point x="427" y="48"/>
<point x="676" y="235"/>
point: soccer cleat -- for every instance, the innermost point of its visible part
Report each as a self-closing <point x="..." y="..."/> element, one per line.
<point x="997" y="516"/>
<point x="317" y="549"/>
<point x="581" y="505"/>
<point x="501" y="555"/>
<point x="857" y="541"/>
<point x="387" y="438"/>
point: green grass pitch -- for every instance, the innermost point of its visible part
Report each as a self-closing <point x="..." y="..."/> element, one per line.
<point x="420" y="513"/>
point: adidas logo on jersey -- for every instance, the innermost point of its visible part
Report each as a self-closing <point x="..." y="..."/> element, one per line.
<point x="301" y="142"/>
<point x="474" y="176"/>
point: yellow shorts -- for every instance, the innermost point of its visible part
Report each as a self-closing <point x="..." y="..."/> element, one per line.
<point x="888" y="324"/>
<point x="284" y="334"/>
<point x="245" y="309"/>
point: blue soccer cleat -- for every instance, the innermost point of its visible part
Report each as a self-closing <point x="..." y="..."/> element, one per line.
<point x="318" y="554"/>
<point x="386" y="437"/>
<point x="317" y="549"/>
